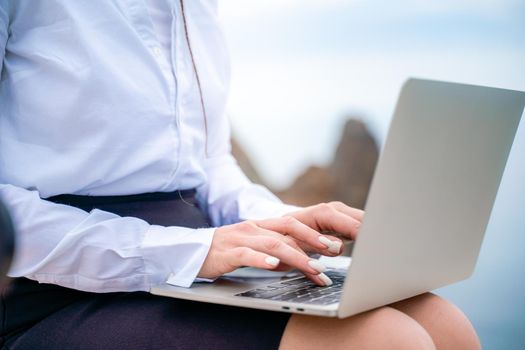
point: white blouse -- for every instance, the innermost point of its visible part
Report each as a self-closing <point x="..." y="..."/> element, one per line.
<point x="100" y="97"/>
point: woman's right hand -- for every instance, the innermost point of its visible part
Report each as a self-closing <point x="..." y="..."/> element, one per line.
<point x="273" y="244"/>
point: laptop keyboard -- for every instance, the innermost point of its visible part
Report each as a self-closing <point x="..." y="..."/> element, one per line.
<point x="302" y="290"/>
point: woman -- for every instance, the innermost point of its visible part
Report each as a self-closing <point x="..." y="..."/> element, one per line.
<point x="116" y="165"/>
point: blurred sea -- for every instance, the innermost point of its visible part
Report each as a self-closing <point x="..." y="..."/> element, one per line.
<point x="300" y="68"/>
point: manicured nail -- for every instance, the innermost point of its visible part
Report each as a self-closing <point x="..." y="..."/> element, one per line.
<point x="333" y="246"/>
<point x="272" y="260"/>
<point x="325" y="241"/>
<point x="317" y="265"/>
<point x="326" y="280"/>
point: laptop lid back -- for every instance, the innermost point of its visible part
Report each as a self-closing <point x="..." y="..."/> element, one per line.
<point x="433" y="191"/>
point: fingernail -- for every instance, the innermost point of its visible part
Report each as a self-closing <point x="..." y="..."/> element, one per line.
<point x="326" y="280"/>
<point x="325" y="241"/>
<point x="333" y="246"/>
<point x="272" y="260"/>
<point x="317" y="265"/>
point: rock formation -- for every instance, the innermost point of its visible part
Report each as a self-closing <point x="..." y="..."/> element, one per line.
<point x="346" y="179"/>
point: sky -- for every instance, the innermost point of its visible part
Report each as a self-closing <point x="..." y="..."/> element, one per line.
<point x="300" y="68"/>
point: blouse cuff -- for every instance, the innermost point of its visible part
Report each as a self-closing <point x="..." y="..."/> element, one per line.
<point x="175" y="255"/>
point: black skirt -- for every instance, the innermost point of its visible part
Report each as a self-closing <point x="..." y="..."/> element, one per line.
<point x="46" y="316"/>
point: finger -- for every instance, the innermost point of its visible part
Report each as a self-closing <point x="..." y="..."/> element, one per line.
<point x="255" y="230"/>
<point x="313" y="240"/>
<point x="335" y="245"/>
<point x="357" y="214"/>
<point x="286" y="254"/>
<point x="252" y="228"/>
<point x="329" y="218"/>
<point x="244" y="256"/>
<point x="320" y="279"/>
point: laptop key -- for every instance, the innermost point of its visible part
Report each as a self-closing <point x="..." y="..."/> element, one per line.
<point x="270" y="287"/>
<point x="285" y="297"/>
<point x="296" y="281"/>
<point x="301" y="290"/>
<point x="261" y="294"/>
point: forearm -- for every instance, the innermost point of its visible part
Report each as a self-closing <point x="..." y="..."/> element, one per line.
<point x="99" y="251"/>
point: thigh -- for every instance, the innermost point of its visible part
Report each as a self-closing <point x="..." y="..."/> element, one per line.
<point x="143" y="321"/>
<point x="382" y="328"/>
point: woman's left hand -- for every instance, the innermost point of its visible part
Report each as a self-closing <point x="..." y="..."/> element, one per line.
<point x="333" y="216"/>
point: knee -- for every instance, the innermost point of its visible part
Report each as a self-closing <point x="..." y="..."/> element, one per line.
<point x="395" y="330"/>
<point x="446" y="323"/>
<point x="383" y="328"/>
<point x="460" y="331"/>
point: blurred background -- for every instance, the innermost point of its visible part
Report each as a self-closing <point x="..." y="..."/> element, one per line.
<point x="314" y="85"/>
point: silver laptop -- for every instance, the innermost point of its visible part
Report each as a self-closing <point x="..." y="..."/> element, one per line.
<point x="426" y="214"/>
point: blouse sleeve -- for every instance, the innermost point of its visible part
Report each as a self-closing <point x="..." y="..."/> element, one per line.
<point x="99" y="251"/>
<point x="229" y="195"/>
